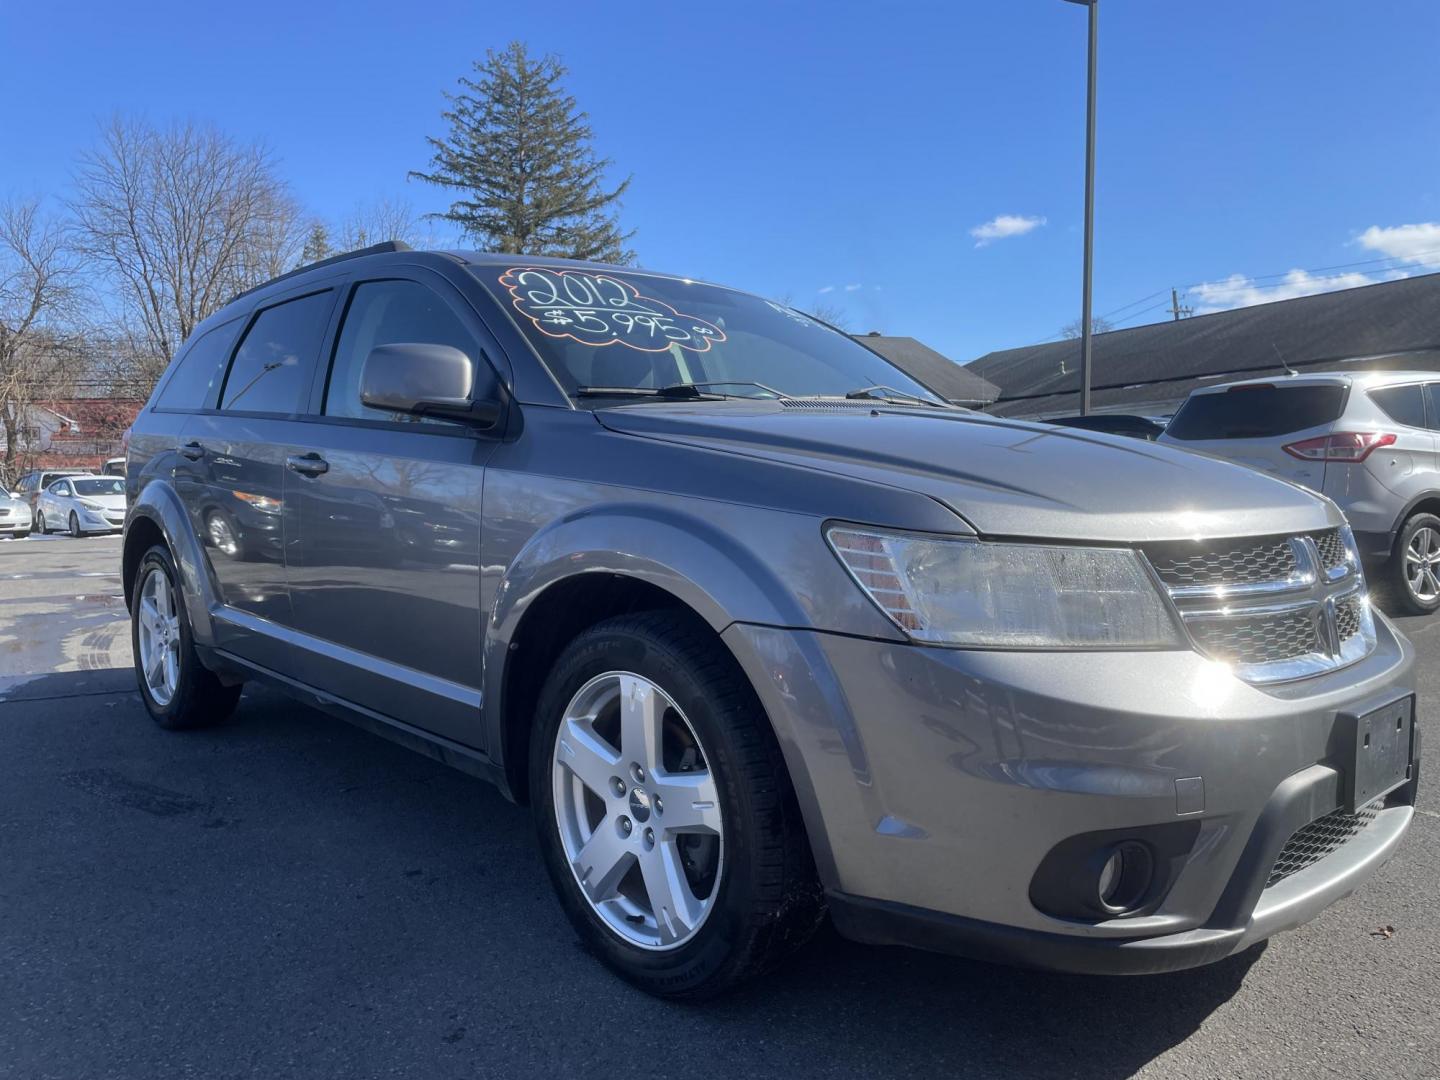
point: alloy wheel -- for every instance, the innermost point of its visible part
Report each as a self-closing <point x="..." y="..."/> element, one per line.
<point x="1422" y="564"/>
<point x="159" y="636"/>
<point x="638" y="811"/>
<point x="40" y="524"/>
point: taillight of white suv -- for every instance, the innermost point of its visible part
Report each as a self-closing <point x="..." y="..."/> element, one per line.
<point x="1340" y="446"/>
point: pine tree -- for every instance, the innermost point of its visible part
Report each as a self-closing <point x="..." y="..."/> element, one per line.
<point x="519" y="151"/>
<point x="317" y="244"/>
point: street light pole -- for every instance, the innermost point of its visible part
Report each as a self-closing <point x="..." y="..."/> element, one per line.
<point x="1085" y="342"/>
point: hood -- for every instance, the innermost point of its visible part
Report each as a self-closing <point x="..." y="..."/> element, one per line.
<point x="1004" y="477"/>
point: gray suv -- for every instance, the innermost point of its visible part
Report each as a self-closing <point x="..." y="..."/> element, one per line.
<point x="761" y="628"/>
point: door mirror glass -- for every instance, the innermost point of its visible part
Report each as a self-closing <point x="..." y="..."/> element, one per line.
<point x="423" y="380"/>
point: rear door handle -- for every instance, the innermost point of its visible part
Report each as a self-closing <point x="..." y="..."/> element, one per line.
<point x="307" y="464"/>
<point x="192" y="450"/>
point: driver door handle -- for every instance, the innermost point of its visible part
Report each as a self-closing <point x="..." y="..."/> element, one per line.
<point x="192" y="450"/>
<point x="307" y="464"/>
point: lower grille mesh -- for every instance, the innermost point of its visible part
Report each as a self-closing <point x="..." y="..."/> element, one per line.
<point x="1323" y="836"/>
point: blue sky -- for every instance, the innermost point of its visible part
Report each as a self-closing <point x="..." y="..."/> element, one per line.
<point x="840" y="152"/>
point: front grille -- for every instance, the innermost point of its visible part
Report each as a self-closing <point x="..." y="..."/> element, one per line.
<point x="1331" y="547"/>
<point x="1273" y="607"/>
<point x="1239" y="562"/>
<point x="1323" y="836"/>
<point x="1261" y="639"/>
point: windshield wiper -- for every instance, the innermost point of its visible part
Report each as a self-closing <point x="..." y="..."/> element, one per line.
<point x="892" y="396"/>
<point x="674" y="392"/>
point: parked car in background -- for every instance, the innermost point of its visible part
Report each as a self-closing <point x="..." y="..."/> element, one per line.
<point x="14" y="517"/>
<point x="760" y="626"/>
<point x="1368" y="440"/>
<point x="114" y="466"/>
<point x="29" y="486"/>
<point x="82" y="504"/>
<point x="1137" y="427"/>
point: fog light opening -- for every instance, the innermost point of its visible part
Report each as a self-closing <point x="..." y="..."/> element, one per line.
<point x="1124" y="878"/>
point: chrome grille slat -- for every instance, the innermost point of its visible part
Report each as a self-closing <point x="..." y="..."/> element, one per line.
<point x="1272" y="607"/>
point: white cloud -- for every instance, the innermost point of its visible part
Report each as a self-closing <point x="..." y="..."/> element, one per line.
<point x="1006" y="225"/>
<point x="824" y="289"/>
<point x="1240" y="291"/>
<point x="851" y="288"/>
<point x="1409" y="243"/>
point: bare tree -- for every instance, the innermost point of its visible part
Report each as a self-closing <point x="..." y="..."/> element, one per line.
<point x="181" y="219"/>
<point x="384" y="219"/>
<point x="1098" y="325"/>
<point x="38" y="291"/>
<point x="825" y="311"/>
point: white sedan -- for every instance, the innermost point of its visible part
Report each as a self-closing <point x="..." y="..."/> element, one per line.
<point x="14" y="516"/>
<point x="81" y="504"/>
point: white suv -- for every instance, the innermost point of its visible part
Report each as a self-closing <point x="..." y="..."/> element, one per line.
<point x="1368" y="440"/>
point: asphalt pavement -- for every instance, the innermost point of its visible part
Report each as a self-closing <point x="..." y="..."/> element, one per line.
<point x="287" y="896"/>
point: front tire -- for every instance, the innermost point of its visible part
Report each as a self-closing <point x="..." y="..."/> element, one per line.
<point x="664" y="812"/>
<point x="40" y="526"/>
<point x="75" y="531"/>
<point x="179" y="692"/>
<point x="1414" y="571"/>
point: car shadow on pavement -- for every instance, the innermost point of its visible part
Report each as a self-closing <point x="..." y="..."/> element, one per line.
<point x="299" y="876"/>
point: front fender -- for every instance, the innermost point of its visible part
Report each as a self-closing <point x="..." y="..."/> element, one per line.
<point x="756" y="566"/>
<point x="160" y="506"/>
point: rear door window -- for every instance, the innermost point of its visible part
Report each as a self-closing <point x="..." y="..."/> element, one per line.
<point x="1432" y="405"/>
<point x="196" y="378"/>
<point x="272" y="367"/>
<point x="1403" y="404"/>
<point x="1257" y="412"/>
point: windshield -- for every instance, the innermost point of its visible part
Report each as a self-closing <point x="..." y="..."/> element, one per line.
<point x="617" y="330"/>
<point x="98" y="486"/>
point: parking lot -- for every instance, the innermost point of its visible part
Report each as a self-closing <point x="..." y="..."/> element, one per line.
<point x="287" y="896"/>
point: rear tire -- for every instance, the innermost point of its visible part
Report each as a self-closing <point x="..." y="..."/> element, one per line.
<point x="189" y="695"/>
<point x="762" y="899"/>
<point x="1413" y="574"/>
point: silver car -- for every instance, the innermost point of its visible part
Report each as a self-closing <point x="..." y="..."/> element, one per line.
<point x="761" y="629"/>
<point x="15" y="518"/>
<point x="81" y="505"/>
<point x="1369" y="440"/>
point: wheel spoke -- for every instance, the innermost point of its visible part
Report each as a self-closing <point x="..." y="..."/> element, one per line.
<point x="171" y="666"/>
<point x="674" y="905"/>
<point x="691" y="802"/>
<point x="603" y="861"/>
<point x="587" y="756"/>
<point x="155" y="670"/>
<point x="640" y="712"/>
<point x="1432" y="583"/>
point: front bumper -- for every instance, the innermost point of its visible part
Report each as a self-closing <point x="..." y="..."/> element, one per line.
<point x="936" y="782"/>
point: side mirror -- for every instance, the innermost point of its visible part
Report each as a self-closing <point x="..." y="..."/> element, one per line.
<point x="424" y="380"/>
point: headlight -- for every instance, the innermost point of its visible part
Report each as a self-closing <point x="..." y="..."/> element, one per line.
<point x="90" y="505"/>
<point x="968" y="592"/>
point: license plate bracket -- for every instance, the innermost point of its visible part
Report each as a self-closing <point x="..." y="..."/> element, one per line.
<point x="1375" y="752"/>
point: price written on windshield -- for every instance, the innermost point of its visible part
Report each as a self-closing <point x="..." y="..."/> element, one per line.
<point x="599" y="309"/>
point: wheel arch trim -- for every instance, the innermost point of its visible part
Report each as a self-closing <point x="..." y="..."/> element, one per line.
<point x="159" y="507"/>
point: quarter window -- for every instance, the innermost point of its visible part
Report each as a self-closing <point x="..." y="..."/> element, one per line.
<point x="1432" y="391"/>
<point x="1403" y="404"/>
<point x="389" y="313"/>
<point x="269" y="371"/>
<point x="197" y="373"/>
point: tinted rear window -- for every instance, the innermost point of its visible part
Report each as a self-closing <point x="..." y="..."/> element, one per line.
<point x="1403" y="404"/>
<point x="1257" y="412"/>
<point x="272" y="367"/>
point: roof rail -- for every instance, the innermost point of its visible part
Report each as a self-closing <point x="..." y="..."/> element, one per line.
<point x="373" y="249"/>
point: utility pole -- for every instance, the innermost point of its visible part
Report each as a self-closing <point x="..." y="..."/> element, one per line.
<point x="1085" y="291"/>
<point x="1175" y="308"/>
